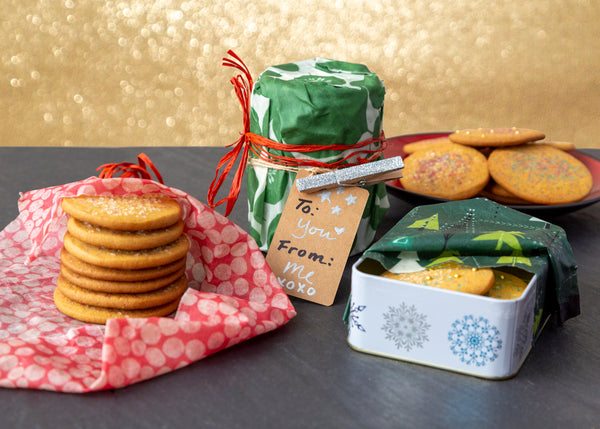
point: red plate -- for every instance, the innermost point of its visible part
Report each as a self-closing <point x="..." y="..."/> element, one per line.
<point x="395" y="147"/>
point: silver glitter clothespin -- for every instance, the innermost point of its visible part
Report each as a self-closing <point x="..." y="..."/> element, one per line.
<point x="359" y="175"/>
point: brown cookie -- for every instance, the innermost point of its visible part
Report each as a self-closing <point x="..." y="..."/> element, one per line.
<point x="449" y="171"/>
<point x="495" y="192"/>
<point x="451" y="276"/>
<point x="123" y="301"/>
<point x="124" y="240"/>
<point x="495" y="136"/>
<point x="119" y="286"/>
<point x="540" y="173"/>
<point x="99" y="315"/>
<point x="424" y="144"/>
<point x="126" y="259"/>
<point x="567" y="146"/>
<point x="506" y="286"/>
<point x="97" y="272"/>
<point x="129" y="213"/>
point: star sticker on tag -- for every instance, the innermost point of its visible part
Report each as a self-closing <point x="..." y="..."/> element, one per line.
<point x="336" y="210"/>
<point x="350" y="199"/>
<point x="325" y="195"/>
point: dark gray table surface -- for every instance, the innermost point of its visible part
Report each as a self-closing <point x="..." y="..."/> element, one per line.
<point x="304" y="374"/>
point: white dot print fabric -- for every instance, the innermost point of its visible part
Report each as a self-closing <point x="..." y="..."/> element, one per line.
<point x="232" y="296"/>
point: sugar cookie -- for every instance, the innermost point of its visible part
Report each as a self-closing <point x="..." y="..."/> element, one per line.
<point x="124" y="240"/>
<point x="135" y="212"/>
<point x="119" y="286"/>
<point x="566" y="146"/>
<point x="540" y="174"/>
<point x="121" y="255"/>
<point x="450" y="276"/>
<point x="126" y="259"/>
<point x="495" y="136"/>
<point x="449" y="171"/>
<point x="97" y="272"/>
<point x="100" y="315"/>
<point x="495" y="192"/>
<point x="123" y="301"/>
<point x="424" y="144"/>
<point x="506" y="286"/>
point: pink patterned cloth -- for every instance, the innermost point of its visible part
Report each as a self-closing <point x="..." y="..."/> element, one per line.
<point x="232" y="296"/>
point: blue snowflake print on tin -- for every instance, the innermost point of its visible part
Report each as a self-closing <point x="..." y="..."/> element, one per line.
<point x="474" y="340"/>
<point x="405" y="327"/>
<point x="354" y="317"/>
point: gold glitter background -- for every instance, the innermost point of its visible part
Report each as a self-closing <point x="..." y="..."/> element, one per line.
<point x="135" y="73"/>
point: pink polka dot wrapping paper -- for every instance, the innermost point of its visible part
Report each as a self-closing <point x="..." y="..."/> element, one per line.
<point x="232" y="296"/>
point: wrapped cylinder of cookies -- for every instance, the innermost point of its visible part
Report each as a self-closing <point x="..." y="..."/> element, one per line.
<point x="320" y="114"/>
<point x="462" y="285"/>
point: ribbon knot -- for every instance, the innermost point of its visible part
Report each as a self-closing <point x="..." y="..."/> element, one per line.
<point x="242" y="84"/>
<point x="129" y="169"/>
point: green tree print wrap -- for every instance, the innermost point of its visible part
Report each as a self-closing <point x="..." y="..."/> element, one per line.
<point x="482" y="233"/>
<point x="313" y="102"/>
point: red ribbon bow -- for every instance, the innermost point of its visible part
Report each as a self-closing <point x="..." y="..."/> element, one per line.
<point x="243" y="87"/>
<point x="129" y="169"/>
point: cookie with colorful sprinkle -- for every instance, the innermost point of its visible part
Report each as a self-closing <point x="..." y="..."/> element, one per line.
<point x="540" y="173"/>
<point x="506" y="286"/>
<point x="449" y="171"/>
<point x="451" y="276"/>
<point x="425" y="144"/>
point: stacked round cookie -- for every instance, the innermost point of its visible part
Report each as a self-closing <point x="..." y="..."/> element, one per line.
<point x="122" y="256"/>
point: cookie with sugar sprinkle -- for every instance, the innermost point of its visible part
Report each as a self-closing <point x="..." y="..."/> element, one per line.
<point x="108" y="286"/>
<point x="482" y="137"/>
<point x="450" y="276"/>
<point x="506" y="286"/>
<point x="124" y="212"/>
<point x="540" y="173"/>
<point x="425" y="144"/>
<point x="97" y="272"/>
<point x="125" y="240"/>
<point x="126" y="259"/>
<point x="99" y="315"/>
<point x="449" y="171"/>
<point x="123" y="301"/>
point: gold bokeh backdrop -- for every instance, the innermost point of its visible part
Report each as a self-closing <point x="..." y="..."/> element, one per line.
<point x="149" y="73"/>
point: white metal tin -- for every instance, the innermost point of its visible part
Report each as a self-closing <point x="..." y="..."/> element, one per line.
<point x="476" y="335"/>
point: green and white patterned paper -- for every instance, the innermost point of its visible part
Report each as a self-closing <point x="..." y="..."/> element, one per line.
<point x="481" y="233"/>
<point x="313" y="102"/>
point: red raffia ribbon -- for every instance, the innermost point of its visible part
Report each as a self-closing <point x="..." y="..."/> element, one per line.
<point x="256" y="144"/>
<point x="129" y="169"/>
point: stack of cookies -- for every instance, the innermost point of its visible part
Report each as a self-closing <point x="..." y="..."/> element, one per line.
<point x="488" y="282"/>
<point x="122" y="256"/>
<point x="508" y="165"/>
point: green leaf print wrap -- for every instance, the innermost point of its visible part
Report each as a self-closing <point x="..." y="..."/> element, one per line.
<point x="481" y="233"/>
<point x="313" y="102"/>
